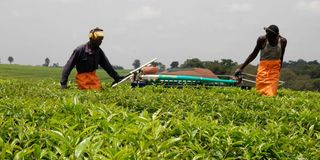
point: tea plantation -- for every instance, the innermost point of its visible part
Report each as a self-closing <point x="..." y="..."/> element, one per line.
<point x="38" y="120"/>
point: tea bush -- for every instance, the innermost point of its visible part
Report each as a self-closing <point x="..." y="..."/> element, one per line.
<point x="40" y="121"/>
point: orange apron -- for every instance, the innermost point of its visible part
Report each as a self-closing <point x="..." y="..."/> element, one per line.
<point x="88" y="80"/>
<point x="268" y="77"/>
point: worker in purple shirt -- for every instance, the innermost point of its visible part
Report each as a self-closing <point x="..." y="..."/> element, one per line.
<point x="86" y="58"/>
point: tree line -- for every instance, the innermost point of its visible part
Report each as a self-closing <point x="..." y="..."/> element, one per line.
<point x="46" y="62"/>
<point x="297" y="75"/>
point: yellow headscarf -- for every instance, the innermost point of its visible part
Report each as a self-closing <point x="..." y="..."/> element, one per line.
<point x="95" y="34"/>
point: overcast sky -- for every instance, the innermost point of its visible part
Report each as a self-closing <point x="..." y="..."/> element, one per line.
<point x="170" y="30"/>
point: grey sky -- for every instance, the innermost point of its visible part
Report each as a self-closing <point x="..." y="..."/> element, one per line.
<point x="171" y="30"/>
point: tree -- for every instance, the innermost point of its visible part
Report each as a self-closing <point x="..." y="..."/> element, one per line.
<point x="161" y="66"/>
<point x="46" y="62"/>
<point x="55" y="65"/>
<point x="214" y="67"/>
<point x="226" y="66"/>
<point x="314" y="62"/>
<point x="10" y="59"/>
<point x="174" y="64"/>
<point x="192" y="63"/>
<point x="116" y="67"/>
<point x="316" y="84"/>
<point x="301" y="67"/>
<point x="296" y="82"/>
<point x="136" y="63"/>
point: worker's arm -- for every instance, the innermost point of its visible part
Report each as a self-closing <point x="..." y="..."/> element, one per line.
<point x="254" y="53"/>
<point x="283" y="47"/>
<point x="67" y="69"/>
<point x="252" y="56"/>
<point x="105" y="64"/>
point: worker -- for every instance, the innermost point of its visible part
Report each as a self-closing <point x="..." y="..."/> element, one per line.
<point x="86" y="58"/>
<point x="272" y="47"/>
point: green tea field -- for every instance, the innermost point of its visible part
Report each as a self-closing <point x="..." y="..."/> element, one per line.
<point x="38" y="120"/>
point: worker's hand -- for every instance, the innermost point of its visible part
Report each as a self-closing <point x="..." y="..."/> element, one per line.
<point x="118" y="79"/>
<point x="238" y="73"/>
<point x="114" y="82"/>
<point x="63" y="86"/>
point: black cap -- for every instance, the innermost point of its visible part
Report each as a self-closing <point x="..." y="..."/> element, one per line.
<point x="95" y="29"/>
<point x="273" y="29"/>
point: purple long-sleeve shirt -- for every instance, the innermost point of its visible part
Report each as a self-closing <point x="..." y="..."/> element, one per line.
<point x="87" y="60"/>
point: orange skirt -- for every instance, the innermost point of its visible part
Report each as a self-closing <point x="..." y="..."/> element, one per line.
<point x="88" y="80"/>
<point x="268" y="76"/>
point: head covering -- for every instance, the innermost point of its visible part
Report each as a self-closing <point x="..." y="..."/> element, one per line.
<point x="273" y="29"/>
<point x="95" y="33"/>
